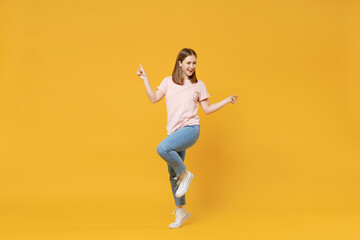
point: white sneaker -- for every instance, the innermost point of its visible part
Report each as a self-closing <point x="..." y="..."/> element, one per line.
<point x="180" y="217"/>
<point x="183" y="183"/>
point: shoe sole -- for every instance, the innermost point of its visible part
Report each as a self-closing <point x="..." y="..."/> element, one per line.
<point x="187" y="187"/>
<point x="184" y="219"/>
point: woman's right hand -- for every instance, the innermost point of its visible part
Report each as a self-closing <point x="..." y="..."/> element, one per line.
<point x="141" y="73"/>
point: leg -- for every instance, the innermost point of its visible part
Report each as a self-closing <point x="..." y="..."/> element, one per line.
<point x="178" y="141"/>
<point x="178" y="201"/>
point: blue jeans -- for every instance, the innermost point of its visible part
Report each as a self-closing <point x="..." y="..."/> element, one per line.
<point x="172" y="150"/>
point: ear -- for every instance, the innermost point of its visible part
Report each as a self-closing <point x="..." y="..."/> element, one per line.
<point x="180" y="64"/>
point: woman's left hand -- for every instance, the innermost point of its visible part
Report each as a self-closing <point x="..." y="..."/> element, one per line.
<point x="232" y="99"/>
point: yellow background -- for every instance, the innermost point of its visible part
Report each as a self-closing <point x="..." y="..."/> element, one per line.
<point x="78" y="134"/>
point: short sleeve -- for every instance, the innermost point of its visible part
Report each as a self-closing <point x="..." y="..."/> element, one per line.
<point x="203" y="94"/>
<point x="163" y="85"/>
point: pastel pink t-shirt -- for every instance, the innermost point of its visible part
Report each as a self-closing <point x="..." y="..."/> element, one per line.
<point x="182" y="102"/>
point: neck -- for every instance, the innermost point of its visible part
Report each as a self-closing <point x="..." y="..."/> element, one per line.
<point x="186" y="77"/>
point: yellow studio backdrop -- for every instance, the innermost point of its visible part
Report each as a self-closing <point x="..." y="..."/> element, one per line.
<point x="79" y="135"/>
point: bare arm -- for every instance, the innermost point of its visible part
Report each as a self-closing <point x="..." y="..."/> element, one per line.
<point x="154" y="97"/>
<point x="210" y="108"/>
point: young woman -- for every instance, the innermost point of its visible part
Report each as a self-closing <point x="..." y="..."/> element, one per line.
<point x="183" y="93"/>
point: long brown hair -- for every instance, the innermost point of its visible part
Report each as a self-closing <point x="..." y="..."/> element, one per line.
<point x="177" y="75"/>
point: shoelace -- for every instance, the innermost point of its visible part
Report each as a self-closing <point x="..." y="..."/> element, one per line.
<point x="177" y="216"/>
<point x="177" y="179"/>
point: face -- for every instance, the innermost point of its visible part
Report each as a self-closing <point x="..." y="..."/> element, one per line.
<point x="188" y="65"/>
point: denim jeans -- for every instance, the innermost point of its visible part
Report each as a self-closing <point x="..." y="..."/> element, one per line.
<point x="172" y="150"/>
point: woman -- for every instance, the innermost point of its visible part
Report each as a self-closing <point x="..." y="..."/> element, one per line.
<point x="183" y="93"/>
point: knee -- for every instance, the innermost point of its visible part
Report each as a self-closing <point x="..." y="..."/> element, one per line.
<point x="163" y="149"/>
<point x="160" y="149"/>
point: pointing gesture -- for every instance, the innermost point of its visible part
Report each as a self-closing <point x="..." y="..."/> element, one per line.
<point x="141" y="73"/>
<point x="232" y="99"/>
